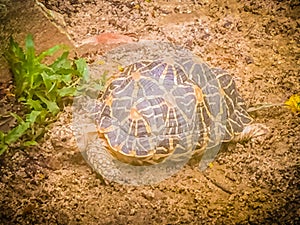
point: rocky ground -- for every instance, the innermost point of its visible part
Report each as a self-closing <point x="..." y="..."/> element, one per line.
<point x="255" y="183"/>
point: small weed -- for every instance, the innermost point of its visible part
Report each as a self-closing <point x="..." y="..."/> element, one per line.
<point x="40" y="88"/>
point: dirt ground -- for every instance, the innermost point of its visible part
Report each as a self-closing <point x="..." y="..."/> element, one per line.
<point x="256" y="183"/>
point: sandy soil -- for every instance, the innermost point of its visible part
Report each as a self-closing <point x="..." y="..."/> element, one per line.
<point x="255" y="183"/>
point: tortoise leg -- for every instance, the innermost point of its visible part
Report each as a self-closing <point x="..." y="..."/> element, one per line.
<point x="252" y="131"/>
<point x="101" y="160"/>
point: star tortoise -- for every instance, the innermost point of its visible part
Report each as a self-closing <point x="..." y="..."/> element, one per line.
<point x="171" y="106"/>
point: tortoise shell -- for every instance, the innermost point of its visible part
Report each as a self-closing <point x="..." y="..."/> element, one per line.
<point x="174" y="106"/>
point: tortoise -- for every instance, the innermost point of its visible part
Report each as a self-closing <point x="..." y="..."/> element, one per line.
<point x="162" y="108"/>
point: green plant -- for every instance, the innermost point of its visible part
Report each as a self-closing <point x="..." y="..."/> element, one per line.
<point x="40" y="88"/>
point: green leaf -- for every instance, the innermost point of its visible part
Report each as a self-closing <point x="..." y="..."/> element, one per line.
<point x="36" y="81"/>
<point x="82" y="68"/>
<point x="30" y="72"/>
<point x="61" y="63"/>
<point x="35" y="104"/>
<point x="67" y="91"/>
<point x="3" y="145"/>
<point x="29" y="50"/>
<point x="52" y="87"/>
<point x="15" y="57"/>
<point x="59" y="77"/>
<point x="52" y="106"/>
<point x="30" y="143"/>
<point x="48" y="81"/>
<point x="48" y="52"/>
<point x="2" y="135"/>
<point x="31" y="118"/>
<point x="16" y="133"/>
<point x="3" y="148"/>
<point x="43" y="115"/>
<point x="15" y="53"/>
<point x="22" y="99"/>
